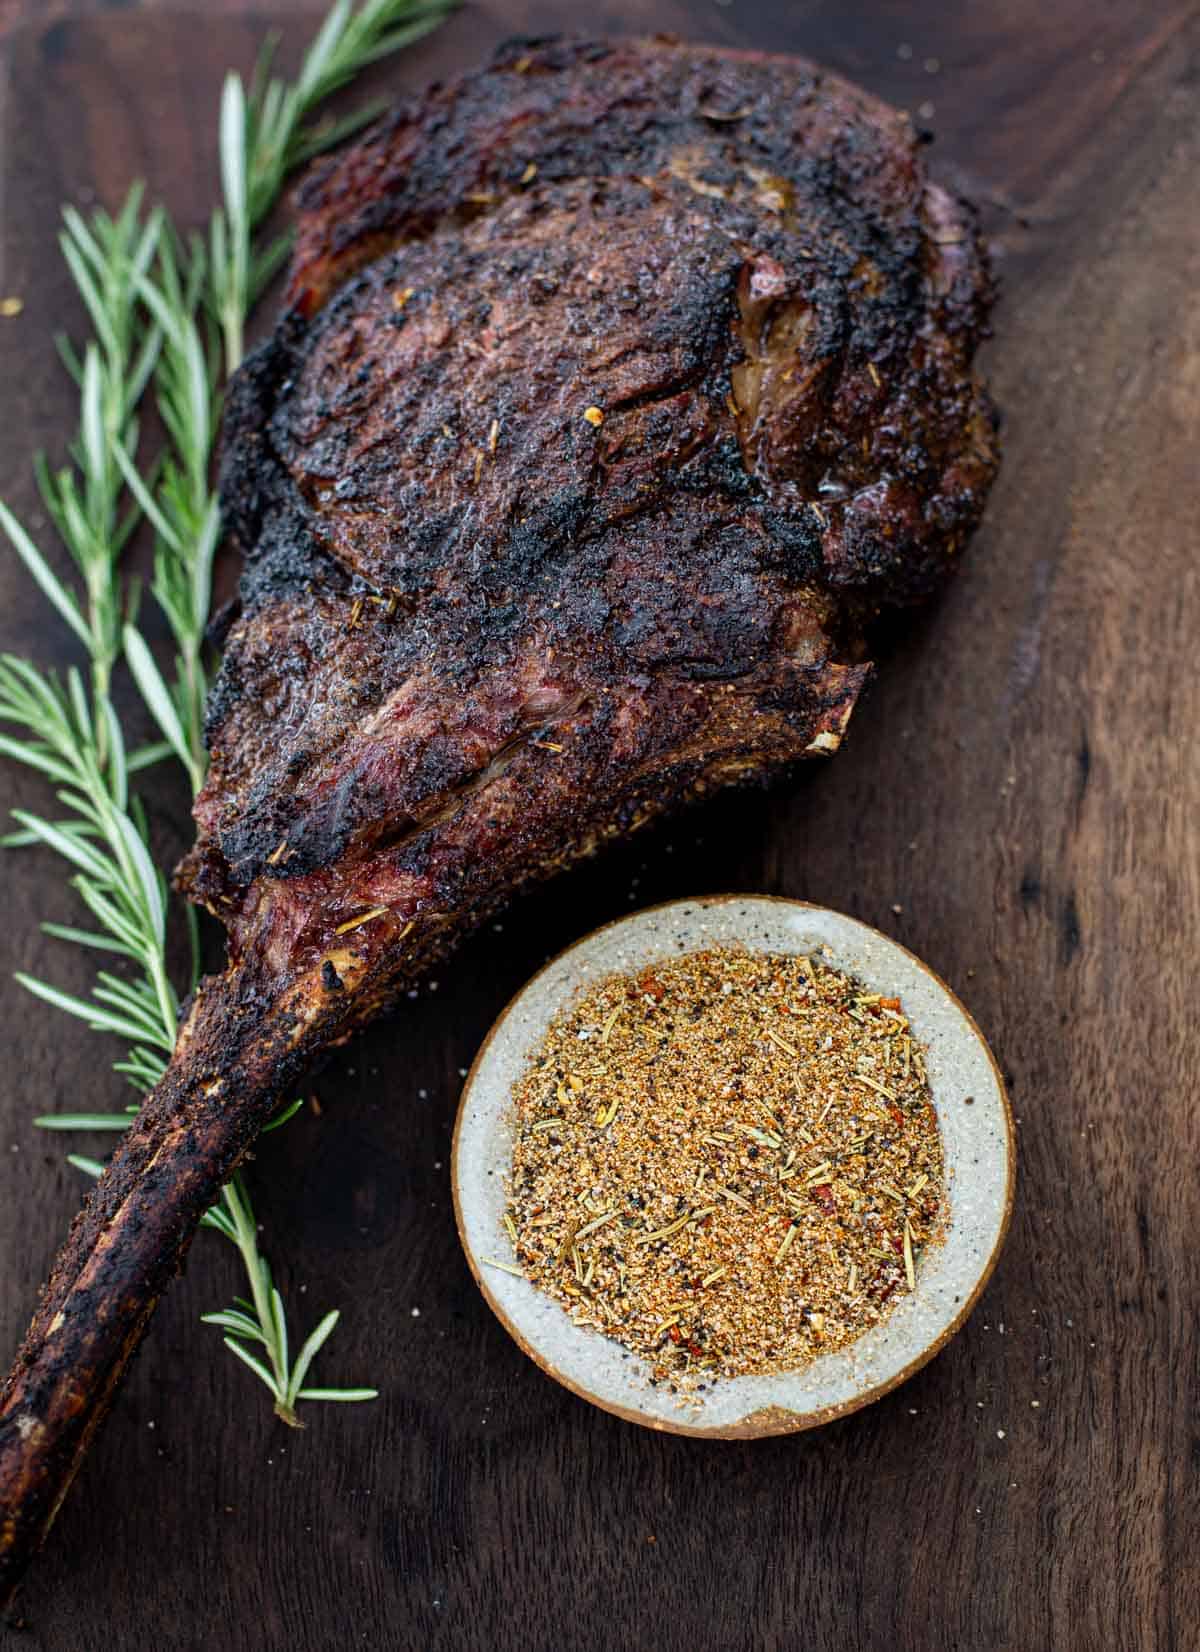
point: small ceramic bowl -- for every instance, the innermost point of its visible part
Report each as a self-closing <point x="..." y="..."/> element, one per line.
<point x="977" y="1137"/>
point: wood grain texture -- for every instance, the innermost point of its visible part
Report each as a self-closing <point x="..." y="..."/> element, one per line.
<point x="1024" y="786"/>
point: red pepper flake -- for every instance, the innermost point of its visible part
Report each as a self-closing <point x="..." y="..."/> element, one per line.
<point x="652" y="987"/>
<point x="896" y="1116"/>
<point x="674" y="1334"/>
<point x="823" y="1193"/>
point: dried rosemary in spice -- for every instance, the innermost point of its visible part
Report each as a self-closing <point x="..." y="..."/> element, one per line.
<point x="729" y="1163"/>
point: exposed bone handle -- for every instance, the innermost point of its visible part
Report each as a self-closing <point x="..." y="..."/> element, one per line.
<point x="124" y="1247"/>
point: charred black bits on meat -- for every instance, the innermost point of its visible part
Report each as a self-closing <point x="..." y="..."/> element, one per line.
<point x="742" y="266"/>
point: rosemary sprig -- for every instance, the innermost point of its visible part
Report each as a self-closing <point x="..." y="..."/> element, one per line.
<point x="183" y="508"/>
<point x="104" y="838"/>
<point x="261" y="1320"/>
<point x="108" y="258"/>
<point x="165" y="314"/>
<point x="264" y="137"/>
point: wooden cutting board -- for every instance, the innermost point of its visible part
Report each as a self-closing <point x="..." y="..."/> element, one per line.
<point x="1018" y="804"/>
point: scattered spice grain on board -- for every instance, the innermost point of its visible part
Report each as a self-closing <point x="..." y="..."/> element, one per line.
<point x="729" y="1163"/>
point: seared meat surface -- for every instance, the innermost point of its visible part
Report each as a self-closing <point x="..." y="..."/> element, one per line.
<point x="619" y="386"/>
<point x="617" y="389"/>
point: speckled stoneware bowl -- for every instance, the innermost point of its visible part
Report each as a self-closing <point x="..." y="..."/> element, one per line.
<point x="977" y="1136"/>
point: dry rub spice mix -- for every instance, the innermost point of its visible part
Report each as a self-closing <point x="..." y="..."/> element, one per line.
<point x="729" y="1163"/>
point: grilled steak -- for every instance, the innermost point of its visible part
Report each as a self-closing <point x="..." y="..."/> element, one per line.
<point x="617" y="388"/>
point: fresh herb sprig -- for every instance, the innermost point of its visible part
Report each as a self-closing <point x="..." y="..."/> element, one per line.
<point x="104" y="838"/>
<point x="264" y="137"/>
<point x="108" y="259"/>
<point x="183" y="508"/>
<point x="169" y="315"/>
<point x="261" y="1319"/>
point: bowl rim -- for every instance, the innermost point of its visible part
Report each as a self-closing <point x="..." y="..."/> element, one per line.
<point x="770" y="1420"/>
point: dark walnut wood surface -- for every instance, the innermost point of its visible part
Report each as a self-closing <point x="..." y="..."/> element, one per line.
<point x="1017" y="803"/>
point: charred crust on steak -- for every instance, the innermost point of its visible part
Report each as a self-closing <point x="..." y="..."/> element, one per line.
<point x="736" y="267"/>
